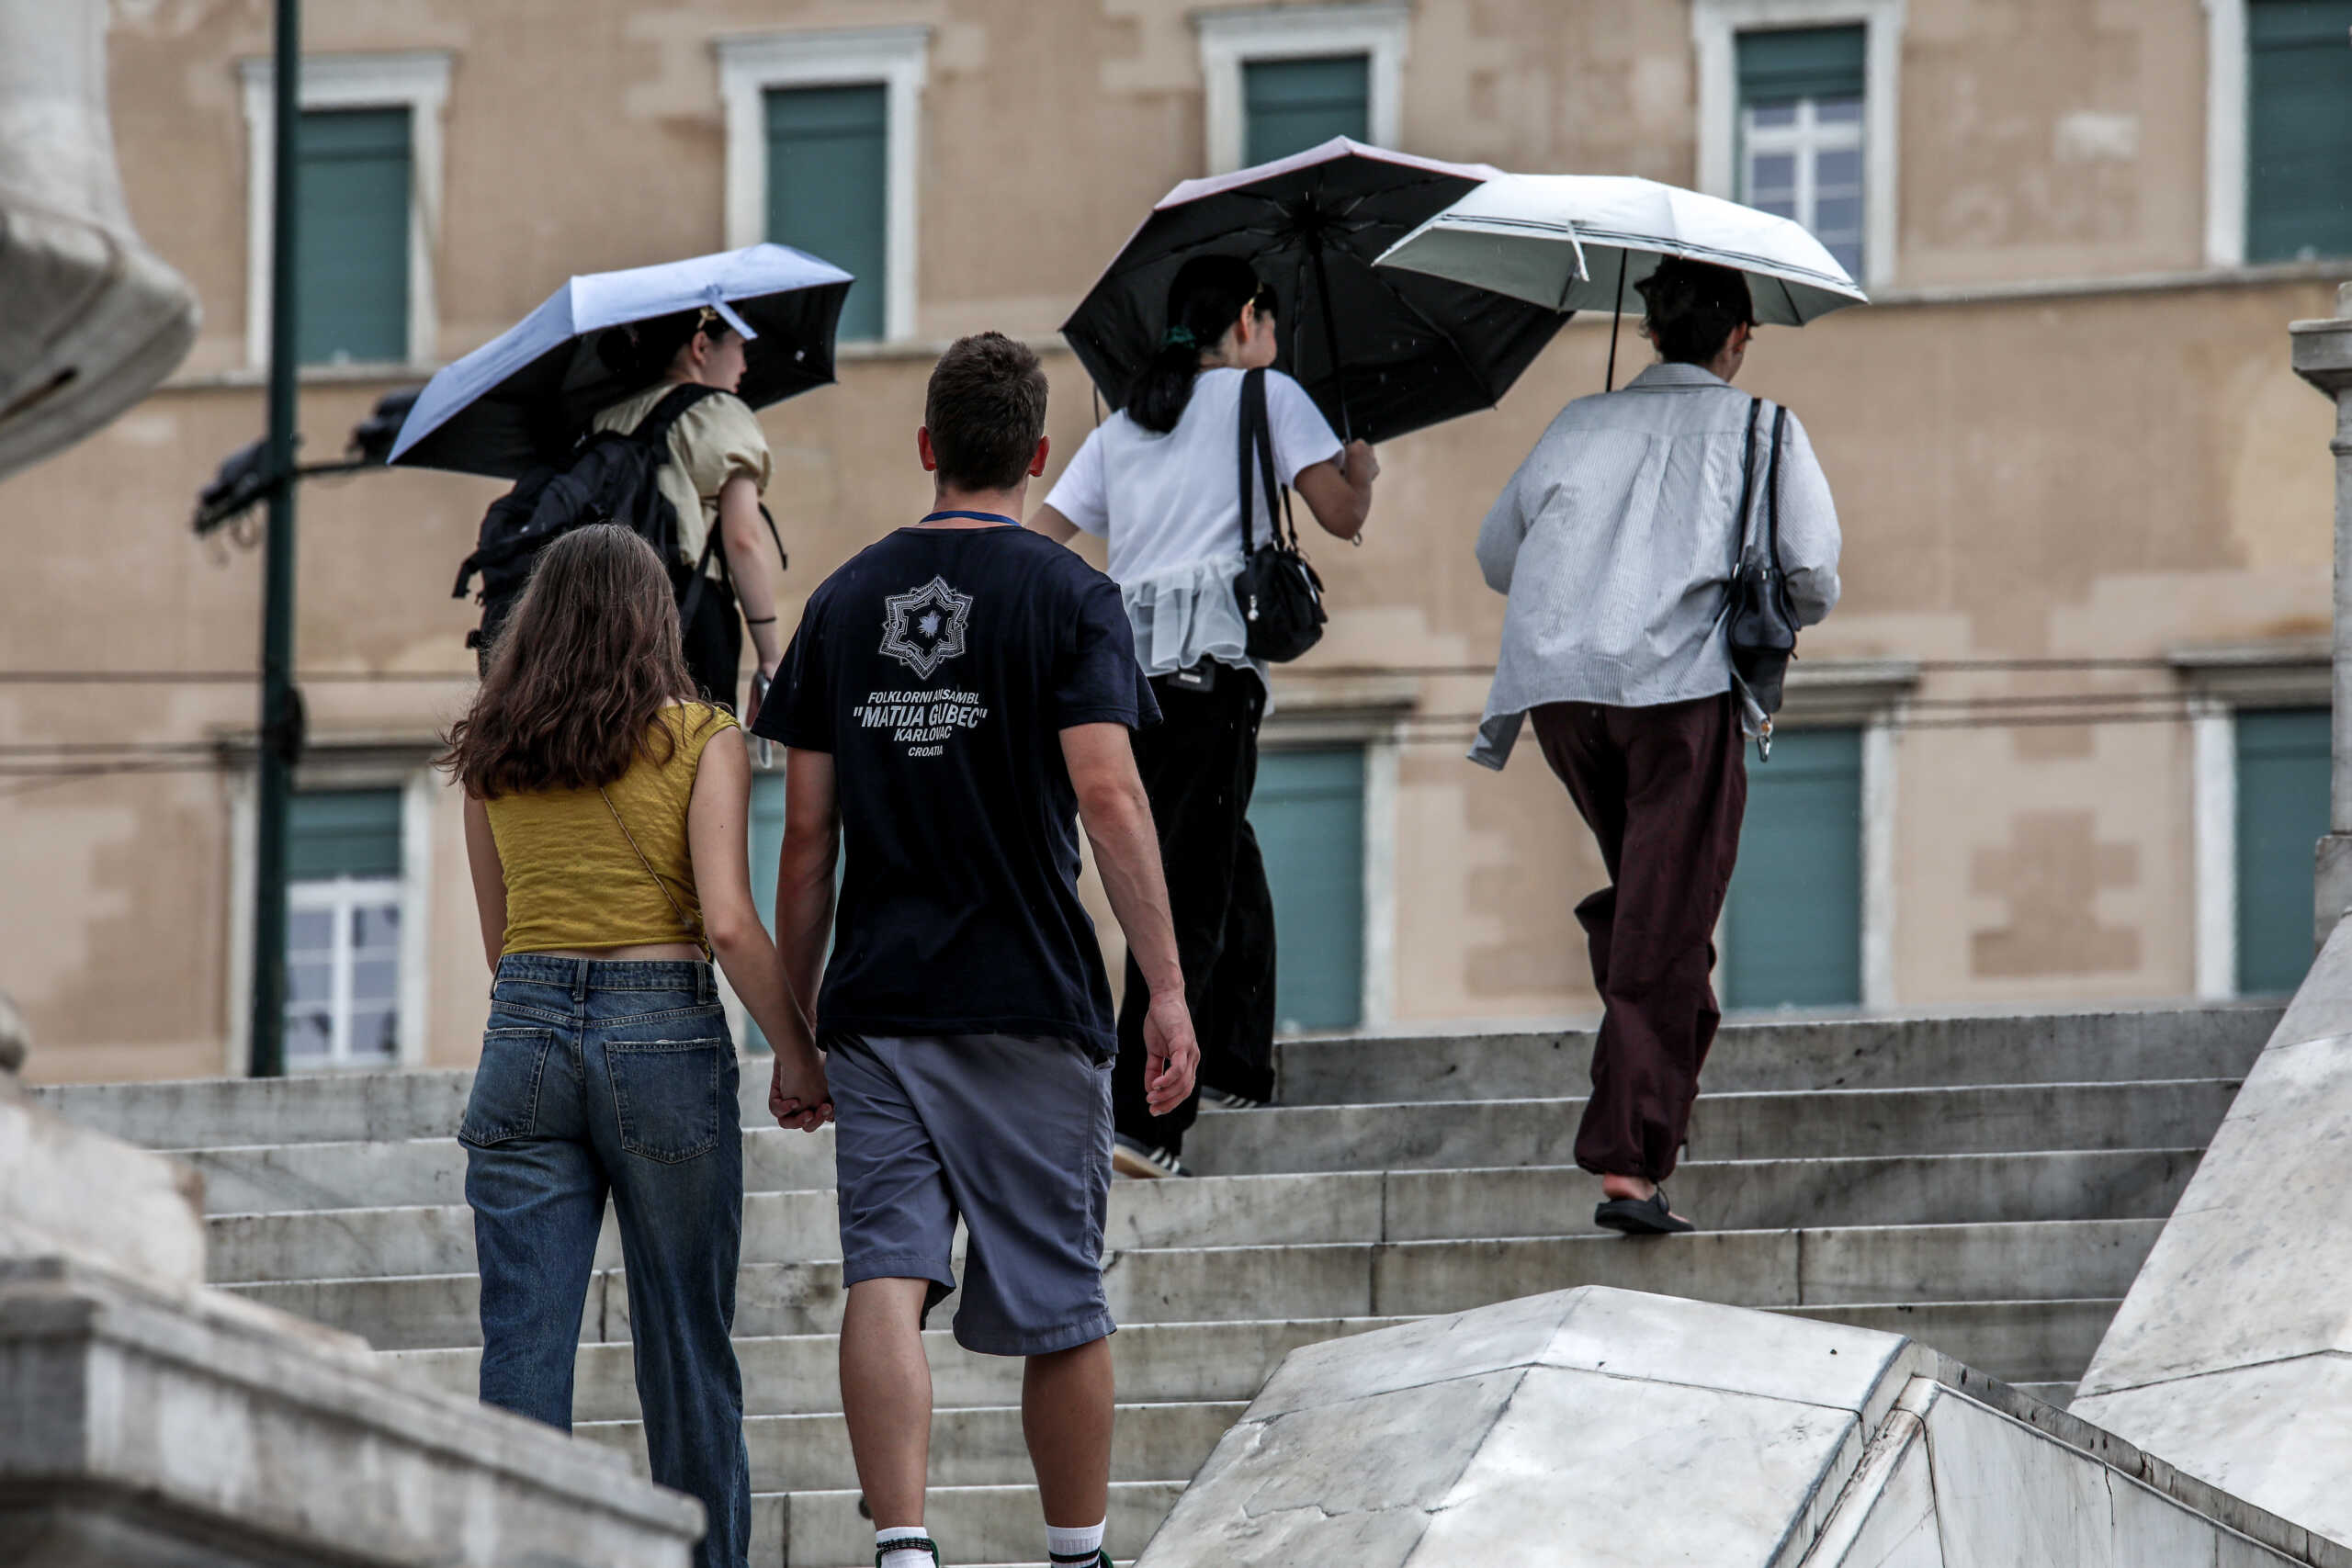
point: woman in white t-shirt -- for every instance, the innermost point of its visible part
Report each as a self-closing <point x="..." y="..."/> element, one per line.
<point x="1160" y="482"/>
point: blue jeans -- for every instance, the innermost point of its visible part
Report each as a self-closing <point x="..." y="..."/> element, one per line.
<point x="615" y="1077"/>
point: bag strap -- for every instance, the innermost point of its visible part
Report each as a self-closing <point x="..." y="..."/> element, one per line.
<point x="1772" y="486"/>
<point x="1258" y="443"/>
<point x="694" y="928"/>
<point x="1746" y="485"/>
<point x="654" y="428"/>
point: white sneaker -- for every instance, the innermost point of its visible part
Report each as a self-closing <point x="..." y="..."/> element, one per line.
<point x="1131" y="1156"/>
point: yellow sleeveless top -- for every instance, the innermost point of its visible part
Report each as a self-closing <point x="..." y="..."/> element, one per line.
<point x="573" y="881"/>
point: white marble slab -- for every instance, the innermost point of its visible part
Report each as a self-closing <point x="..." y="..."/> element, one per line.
<point x="2007" y="1495"/>
<point x="1899" y="1530"/>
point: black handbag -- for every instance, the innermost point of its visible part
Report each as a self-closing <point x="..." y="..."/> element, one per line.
<point x="1760" y="620"/>
<point x="1280" y="597"/>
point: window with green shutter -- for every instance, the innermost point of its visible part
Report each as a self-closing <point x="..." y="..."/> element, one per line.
<point x="1792" y="929"/>
<point x="829" y="187"/>
<point x="343" y="928"/>
<point x="352" y="191"/>
<point x="1801" y="95"/>
<point x="2282" y="799"/>
<point x="2298" y="129"/>
<point x="1308" y="813"/>
<point x="1292" y="104"/>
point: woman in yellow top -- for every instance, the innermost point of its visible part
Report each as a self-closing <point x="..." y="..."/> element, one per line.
<point x="718" y="470"/>
<point x="606" y="809"/>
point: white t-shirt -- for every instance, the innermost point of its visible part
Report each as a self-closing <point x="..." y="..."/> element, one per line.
<point x="1169" y="502"/>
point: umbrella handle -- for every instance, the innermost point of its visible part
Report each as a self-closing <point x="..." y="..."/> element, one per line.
<point x="1330" y="333"/>
<point x="1616" y="315"/>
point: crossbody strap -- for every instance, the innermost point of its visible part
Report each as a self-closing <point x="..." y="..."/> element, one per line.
<point x="1772" y="487"/>
<point x="1746" y="485"/>
<point x="1258" y="450"/>
<point x="694" y="928"/>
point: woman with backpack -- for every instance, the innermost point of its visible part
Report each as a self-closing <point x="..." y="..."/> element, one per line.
<point x="1157" y="479"/>
<point x="718" y="470"/>
<point x="606" y="809"/>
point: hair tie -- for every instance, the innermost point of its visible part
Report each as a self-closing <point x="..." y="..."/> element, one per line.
<point x="1179" y="337"/>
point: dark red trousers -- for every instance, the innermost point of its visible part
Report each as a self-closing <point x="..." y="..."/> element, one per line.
<point x="1663" y="789"/>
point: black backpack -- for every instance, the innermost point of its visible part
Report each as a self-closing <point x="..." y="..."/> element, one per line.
<point x="610" y="477"/>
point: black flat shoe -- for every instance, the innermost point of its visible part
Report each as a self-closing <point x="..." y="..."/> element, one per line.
<point x="1641" y="1216"/>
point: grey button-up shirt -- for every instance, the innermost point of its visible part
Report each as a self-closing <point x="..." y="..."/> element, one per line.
<point x="1615" y="543"/>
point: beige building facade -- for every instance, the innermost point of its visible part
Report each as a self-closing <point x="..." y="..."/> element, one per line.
<point x="2046" y="751"/>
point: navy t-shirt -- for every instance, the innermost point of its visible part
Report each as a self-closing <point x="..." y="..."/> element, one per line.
<point x="939" y="667"/>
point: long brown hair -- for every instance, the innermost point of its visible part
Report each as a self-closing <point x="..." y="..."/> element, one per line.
<point x="586" y="661"/>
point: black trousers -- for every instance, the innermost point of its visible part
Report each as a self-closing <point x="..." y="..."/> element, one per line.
<point x="1664" y="790"/>
<point x="1199" y="765"/>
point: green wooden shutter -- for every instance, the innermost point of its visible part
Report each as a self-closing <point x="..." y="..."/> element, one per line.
<point x="1292" y="104"/>
<point x="829" y="187"/>
<point x="352" y="185"/>
<point x="2298" y="129"/>
<point x="1786" y="64"/>
<point x="343" y="832"/>
<point x="1308" y="813"/>
<point x="1793" y="930"/>
<point x="2282" y="768"/>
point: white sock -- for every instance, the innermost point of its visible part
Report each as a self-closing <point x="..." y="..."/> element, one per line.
<point x="888" y="1535"/>
<point x="1079" y="1546"/>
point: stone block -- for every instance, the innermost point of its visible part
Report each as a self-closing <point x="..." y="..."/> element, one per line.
<point x="66" y="1189"/>
<point x="184" y="1428"/>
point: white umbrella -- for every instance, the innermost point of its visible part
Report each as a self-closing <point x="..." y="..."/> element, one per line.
<point x="523" y="397"/>
<point x="1581" y="242"/>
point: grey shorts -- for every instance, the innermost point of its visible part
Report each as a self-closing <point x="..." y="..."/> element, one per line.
<point x="1009" y="1134"/>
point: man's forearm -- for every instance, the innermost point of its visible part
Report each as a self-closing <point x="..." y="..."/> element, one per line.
<point x="1126" y="853"/>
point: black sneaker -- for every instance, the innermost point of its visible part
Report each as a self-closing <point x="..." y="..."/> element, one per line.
<point x="915" y="1543"/>
<point x="1133" y="1156"/>
<point x="1226" y="1100"/>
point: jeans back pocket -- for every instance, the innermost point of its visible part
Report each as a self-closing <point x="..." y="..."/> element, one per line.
<point x="670" y="1096"/>
<point x="504" y="1104"/>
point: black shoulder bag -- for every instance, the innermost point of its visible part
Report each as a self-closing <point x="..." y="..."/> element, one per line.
<point x="1760" y="621"/>
<point x="1280" y="596"/>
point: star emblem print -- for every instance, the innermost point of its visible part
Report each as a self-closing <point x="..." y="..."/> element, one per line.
<point x="924" y="628"/>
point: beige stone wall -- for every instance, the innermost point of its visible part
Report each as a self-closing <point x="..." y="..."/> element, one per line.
<point x="2083" y="466"/>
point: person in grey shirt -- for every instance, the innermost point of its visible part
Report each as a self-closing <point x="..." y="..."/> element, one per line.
<point x="1615" y="543"/>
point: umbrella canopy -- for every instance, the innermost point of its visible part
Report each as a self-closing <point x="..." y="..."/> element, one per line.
<point x="525" y="396"/>
<point x="1381" y="353"/>
<point x="1581" y="242"/>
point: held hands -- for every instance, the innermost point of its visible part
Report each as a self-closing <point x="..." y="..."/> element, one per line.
<point x="798" y="1095"/>
<point x="1171" y="1057"/>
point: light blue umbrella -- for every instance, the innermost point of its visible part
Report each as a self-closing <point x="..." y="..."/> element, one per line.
<point x="525" y="396"/>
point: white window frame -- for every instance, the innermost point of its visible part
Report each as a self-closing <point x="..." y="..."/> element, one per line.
<point x="1802" y="144"/>
<point x="895" y="58"/>
<point x="419" y="794"/>
<point x="417" y="82"/>
<point x="2226" y="143"/>
<point x="338" y="896"/>
<point x="1232" y="40"/>
<point x="1715" y="27"/>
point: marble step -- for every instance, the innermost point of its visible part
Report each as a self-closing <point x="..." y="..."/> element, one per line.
<point x="2180" y="1113"/>
<point x="2078" y="1047"/>
<point x="2022" y="1342"/>
<point x="971" y="1446"/>
<point x="1405" y="1205"/>
<point x="1762" y="1268"/>
<point x="2208" y="1042"/>
<point x="798" y="1374"/>
<point x="977" y="1527"/>
<point x="2142" y="1114"/>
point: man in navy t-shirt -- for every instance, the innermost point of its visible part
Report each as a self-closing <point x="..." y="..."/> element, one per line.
<point x="958" y="701"/>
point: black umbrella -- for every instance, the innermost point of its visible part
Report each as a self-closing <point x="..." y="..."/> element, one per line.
<point x="1381" y="351"/>
<point x="525" y="397"/>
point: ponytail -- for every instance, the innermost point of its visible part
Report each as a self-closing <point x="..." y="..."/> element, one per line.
<point x="1205" y="301"/>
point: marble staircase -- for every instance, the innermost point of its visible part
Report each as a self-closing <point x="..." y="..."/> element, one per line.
<point x="1986" y="1186"/>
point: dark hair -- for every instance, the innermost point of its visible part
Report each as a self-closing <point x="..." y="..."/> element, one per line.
<point x="985" y="410"/>
<point x="1207" y="297"/>
<point x="642" y="351"/>
<point x="1692" y="308"/>
<point x="585" y="662"/>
